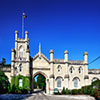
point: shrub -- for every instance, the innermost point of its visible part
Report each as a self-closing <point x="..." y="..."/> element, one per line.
<point x="63" y="91"/>
<point x="87" y="89"/>
<point x="80" y="91"/>
<point x="74" y="91"/>
<point x="18" y="90"/>
<point x="67" y="91"/>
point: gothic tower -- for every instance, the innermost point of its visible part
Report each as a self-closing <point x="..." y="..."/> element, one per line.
<point x="20" y="57"/>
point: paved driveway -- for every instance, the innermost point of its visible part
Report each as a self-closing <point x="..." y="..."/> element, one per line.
<point x="42" y="96"/>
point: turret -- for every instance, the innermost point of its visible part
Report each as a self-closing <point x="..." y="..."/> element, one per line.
<point x="12" y="54"/>
<point x="85" y="57"/>
<point x="66" y="56"/>
<point x="16" y="35"/>
<point x="26" y="35"/>
<point x="39" y="50"/>
<point x="51" y="55"/>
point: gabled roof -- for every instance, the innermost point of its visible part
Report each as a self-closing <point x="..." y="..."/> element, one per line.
<point x="42" y="55"/>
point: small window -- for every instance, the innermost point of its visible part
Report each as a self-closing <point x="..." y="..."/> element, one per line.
<point x="80" y="70"/>
<point x="59" y="68"/>
<point x="20" y="83"/>
<point x="20" y="68"/>
<point x="59" y="82"/>
<point x="71" y="69"/>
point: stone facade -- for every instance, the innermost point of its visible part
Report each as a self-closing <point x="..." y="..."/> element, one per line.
<point x="59" y="73"/>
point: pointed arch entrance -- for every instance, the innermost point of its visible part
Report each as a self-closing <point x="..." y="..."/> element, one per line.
<point x="45" y="77"/>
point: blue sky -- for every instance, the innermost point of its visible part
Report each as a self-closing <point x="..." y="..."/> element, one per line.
<point x="57" y="24"/>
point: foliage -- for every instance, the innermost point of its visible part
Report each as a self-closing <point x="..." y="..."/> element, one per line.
<point x="41" y="82"/>
<point x="18" y="90"/>
<point x="67" y="91"/>
<point x="87" y="89"/>
<point x="74" y="91"/>
<point x="64" y="90"/>
<point x="80" y="91"/>
<point x="15" y="84"/>
<point x="4" y="83"/>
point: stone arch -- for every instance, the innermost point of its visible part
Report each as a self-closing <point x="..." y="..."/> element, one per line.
<point x="39" y="72"/>
<point x="60" y="77"/>
<point x="76" y="78"/>
<point x="46" y="77"/>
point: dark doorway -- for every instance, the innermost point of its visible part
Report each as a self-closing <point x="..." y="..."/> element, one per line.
<point x="39" y="83"/>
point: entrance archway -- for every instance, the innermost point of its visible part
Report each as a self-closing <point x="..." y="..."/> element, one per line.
<point x="39" y="82"/>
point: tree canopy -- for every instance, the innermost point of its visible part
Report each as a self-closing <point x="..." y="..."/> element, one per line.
<point x="4" y="83"/>
<point x="41" y="82"/>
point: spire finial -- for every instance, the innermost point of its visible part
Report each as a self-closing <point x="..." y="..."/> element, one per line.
<point x="39" y="50"/>
<point x="39" y="47"/>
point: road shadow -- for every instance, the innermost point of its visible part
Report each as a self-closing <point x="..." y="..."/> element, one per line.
<point x="14" y="96"/>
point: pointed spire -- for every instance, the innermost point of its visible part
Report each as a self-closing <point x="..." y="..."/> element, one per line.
<point x="39" y="50"/>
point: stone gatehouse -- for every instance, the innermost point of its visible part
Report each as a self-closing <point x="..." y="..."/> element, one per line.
<point x="59" y="73"/>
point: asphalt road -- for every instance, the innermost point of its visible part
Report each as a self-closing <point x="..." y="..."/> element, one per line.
<point x="43" y="96"/>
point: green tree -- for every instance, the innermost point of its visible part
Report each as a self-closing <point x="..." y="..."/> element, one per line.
<point x="3" y="62"/>
<point x="4" y="83"/>
<point x="41" y="82"/>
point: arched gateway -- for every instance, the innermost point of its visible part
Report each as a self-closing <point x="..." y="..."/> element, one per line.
<point x="59" y="73"/>
<point x="40" y="65"/>
<point x="44" y="82"/>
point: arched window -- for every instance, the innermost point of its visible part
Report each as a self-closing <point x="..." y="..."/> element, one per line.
<point x="76" y="82"/>
<point x="80" y="69"/>
<point x="20" y="82"/>
<point x="71" y="69"/>
<point x="20" y="67"/>
<point x="59" y="68"/>
<point x="59" y="82"/>
<point x="21" y="51"/>
<point x="94" y="79"/>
